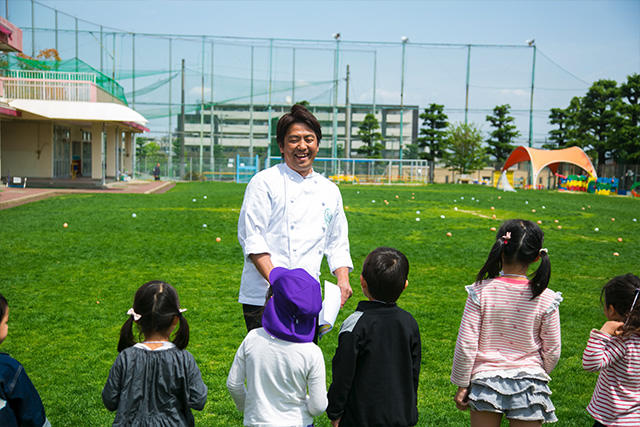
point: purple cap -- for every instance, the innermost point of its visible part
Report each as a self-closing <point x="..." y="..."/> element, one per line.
<point x="291" y="313"/>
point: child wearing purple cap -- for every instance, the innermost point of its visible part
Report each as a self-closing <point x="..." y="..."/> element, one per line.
<point x="283" y="369"/>
<point x="377" y="362"/>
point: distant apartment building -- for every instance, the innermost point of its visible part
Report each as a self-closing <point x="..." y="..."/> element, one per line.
<point x="239" y="127"/>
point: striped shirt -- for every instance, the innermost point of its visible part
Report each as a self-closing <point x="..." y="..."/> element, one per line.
<point x="616" y="398"/>
<point x="505" y="333"/>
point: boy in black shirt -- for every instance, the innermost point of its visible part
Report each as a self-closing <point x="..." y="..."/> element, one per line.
<point x="377" y="362"/>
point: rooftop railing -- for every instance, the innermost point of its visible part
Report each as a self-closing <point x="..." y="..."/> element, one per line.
<point x="53" y="86"/>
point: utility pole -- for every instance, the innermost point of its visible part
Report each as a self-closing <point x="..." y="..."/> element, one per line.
<point x="181" y="125"/>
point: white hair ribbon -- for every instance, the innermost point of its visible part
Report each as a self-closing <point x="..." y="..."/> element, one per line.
<point x="543" y="250"/>
<point x="135" y="315"/>
<point x="182" y="310"/>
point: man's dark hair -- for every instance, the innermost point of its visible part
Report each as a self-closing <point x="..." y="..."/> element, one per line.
<point x="298" y="114"/>
<point x="385" y="271"/>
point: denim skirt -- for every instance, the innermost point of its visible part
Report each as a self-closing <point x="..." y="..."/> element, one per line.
<point x="527" y="399"/>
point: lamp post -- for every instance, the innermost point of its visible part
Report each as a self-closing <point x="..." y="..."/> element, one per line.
<point x="334" y="146"/>
<point x="404" y="39"/>
<point x="532" y="43"/>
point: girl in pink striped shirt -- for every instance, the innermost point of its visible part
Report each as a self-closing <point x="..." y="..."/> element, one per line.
<point x="509" y="339"/>
<point x="614" y="350"/>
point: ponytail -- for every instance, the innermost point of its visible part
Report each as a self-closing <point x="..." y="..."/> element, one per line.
<point x="181" y="339"/>
<point x="493" y="264"/>
<point x="540" y="280"/>
<point x="126" y="335"/>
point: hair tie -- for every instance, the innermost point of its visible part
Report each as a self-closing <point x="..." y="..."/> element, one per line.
<point x="181" y="310"/>
<point x="506" y="237"/>
<point x="135" y="315"/>
<point x="543" y="250"/>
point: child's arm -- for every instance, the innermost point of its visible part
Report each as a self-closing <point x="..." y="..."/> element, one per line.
<point x="462" y="398"/>
<point x="235" y="380"/>
<point x="467" y="343"/>
<point x="25" y="401"/>
<point x="550" y="337"/>
<point x="197" y="388"/>
<point x="602" y="349"/>
<point x="111" y="390"/>
<point x="317" y="385"/>
<point x="343" y="367"/>
<point x="416" y="358"/>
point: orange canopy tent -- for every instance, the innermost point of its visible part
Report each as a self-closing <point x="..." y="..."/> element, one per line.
<point x="541" y="159"/>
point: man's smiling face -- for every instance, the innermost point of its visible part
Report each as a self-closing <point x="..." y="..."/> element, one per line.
<point x="300" y="148"/>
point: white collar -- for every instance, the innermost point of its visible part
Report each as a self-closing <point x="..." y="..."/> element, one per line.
<point x="166" y="345"/>
<point x="295" y="174"/>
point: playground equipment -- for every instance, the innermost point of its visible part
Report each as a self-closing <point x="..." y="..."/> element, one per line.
<point x="607" y="186"/>
<point x="541" y="159"/>
<point x="635" y="189"/>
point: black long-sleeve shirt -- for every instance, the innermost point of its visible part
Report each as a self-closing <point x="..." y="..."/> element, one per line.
<point x="376" y="368"/>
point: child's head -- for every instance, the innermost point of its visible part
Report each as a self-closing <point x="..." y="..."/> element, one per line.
<point x="621" y="293"/>
<point x="519" y="241"/>
<point x="385" y="272"/>
<point x="4" y="318"/>
<point x="291" y="312"/>
<point x="156" y="309"/>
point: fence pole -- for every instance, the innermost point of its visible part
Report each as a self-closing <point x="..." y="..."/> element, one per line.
<point x="293" y="76"/>
<point x="213" y="142"/>
<point x="251" y="107"/>
<point x="270" y="82"/>
<point x="170" y="114"/>
<point x="466" y="97"/>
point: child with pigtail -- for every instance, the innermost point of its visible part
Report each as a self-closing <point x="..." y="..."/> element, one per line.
<point x="509" y="339"/>
<point x="614" y="350"/>
<point x="155" y="382"/>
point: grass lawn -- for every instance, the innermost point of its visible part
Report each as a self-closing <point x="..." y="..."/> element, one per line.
<point x="69" y="288"/>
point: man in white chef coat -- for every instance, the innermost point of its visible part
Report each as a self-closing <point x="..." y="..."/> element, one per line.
<point x="291" y="217"/>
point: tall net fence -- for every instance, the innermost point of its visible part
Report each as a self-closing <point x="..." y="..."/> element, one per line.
<point x="468" y="79"/>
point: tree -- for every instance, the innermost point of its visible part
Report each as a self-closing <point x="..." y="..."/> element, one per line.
<point x="149" y="149"/>
<point x="372" y="140"/>
<point x="464" y="152"/>
<point x="433" y="133"/>
<point x="411" y="151"/>
<point x="630" y="110"/>
<point x="559" y="137"/>
<point x="501" y="138"/>
<point x="599" y="120"/>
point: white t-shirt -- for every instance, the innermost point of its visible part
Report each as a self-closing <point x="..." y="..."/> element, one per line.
<point x="285" y="381"/>
<point x="297" y="220"/>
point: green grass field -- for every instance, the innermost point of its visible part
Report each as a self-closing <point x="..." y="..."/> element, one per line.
<point x="69" y="288"/>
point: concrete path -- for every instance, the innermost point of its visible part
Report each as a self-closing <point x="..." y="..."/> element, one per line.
<point x="10" y="197"/>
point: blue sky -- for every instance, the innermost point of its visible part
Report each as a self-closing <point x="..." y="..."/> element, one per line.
<point x="589" y="39"/>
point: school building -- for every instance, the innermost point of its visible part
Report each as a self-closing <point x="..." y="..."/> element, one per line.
<point x="62" y="122"/>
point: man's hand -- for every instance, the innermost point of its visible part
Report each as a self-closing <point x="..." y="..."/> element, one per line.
<point x="336" y="423"/>
<point x="342" y="276"/>
<point x="462" y="398"/>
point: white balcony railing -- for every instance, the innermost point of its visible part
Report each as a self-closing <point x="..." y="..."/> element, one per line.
<point x="48" y="85"/>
